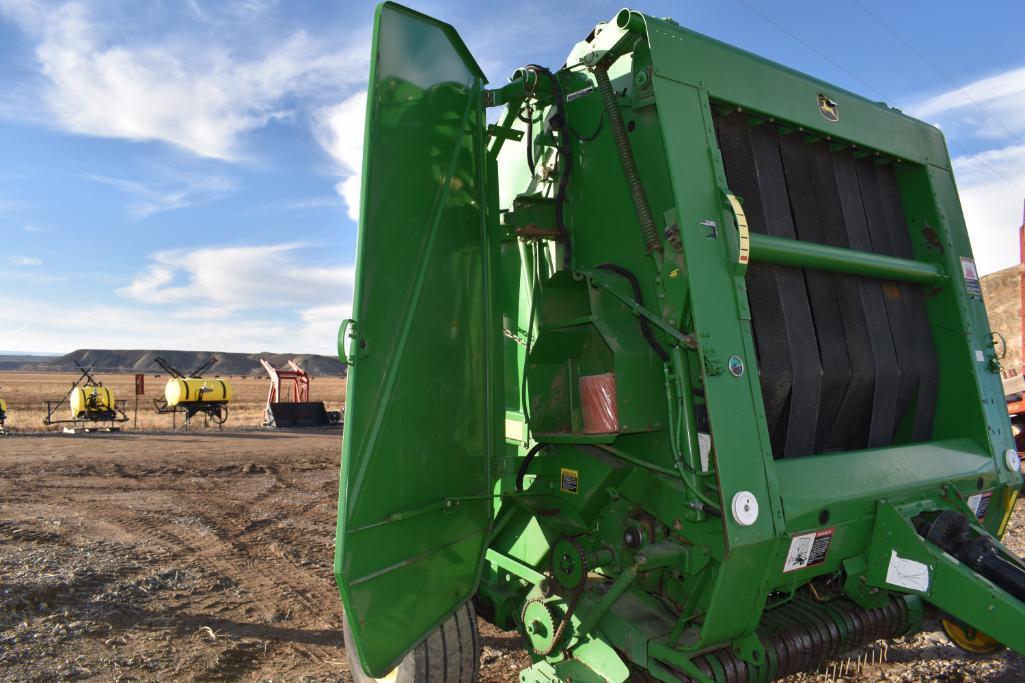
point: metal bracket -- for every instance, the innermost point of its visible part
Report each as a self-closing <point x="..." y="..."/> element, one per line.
<point x="685" y="339"/>
<point x="348" y="329"/>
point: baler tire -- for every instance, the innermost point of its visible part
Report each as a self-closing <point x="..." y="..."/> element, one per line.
<point x="451" y="654"/>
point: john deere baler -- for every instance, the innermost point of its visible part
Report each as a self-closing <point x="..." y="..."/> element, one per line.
<point x="680" y="367"/>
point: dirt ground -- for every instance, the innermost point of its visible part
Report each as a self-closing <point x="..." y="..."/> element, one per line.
<point x="161" y="557"/>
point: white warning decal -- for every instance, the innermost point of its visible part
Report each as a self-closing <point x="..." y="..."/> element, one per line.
<point x="808" y="550"/>
<point x="971" y="276"/>
<point x="905" y="573"/>
<point x="705" y="449"/>
<point x="979" y="503"/>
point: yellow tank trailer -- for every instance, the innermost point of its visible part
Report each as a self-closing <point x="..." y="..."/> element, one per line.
<point x="91" y="399"/>
<point x="192" y="394"/>
<point x="91" y="403"/>
<point x="190" y="390"/>
<point x="3" y="416"/>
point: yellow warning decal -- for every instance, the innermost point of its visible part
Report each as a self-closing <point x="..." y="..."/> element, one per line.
<point x="745" y="235"/>
<point x="569" y="481"/>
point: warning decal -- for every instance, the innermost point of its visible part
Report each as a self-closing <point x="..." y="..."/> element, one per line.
<point x="808" y="550"/>
<point x="979" y="503"/>
<point x="569" y="481"/>
<point x="971" y="276"/>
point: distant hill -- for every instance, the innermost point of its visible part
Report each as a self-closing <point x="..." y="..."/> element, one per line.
<point x="186" y="361"/>
<point x="13" y="361"/>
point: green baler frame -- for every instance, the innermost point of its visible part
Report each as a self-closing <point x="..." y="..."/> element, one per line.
<point x="400" y="568"/>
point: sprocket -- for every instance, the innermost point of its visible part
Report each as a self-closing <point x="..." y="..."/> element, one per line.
<point x="570" y="563"/>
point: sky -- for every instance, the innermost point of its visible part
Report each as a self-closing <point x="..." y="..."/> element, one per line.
<point x="185" y="174"/>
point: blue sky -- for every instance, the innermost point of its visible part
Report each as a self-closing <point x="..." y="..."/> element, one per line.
<point x="185" y="174"/>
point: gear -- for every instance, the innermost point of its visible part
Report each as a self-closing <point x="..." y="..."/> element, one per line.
<point x="570" y="563"/>
<point x="540" y="624"/>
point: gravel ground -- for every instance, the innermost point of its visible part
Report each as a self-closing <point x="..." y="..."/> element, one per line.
<point x="158" y="557"/>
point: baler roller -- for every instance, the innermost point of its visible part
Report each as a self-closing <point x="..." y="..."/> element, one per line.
<point x="803" y="635"/>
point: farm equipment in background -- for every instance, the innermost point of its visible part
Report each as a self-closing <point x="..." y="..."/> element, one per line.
<point x="681" y="368"/>
<point x="3" y="416"/>
<point x="192" y="394"/>
<point x="91" y="404"/>
<point x="294" y="409"/>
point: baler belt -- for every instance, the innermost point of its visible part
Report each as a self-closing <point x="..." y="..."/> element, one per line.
<point x="883" y="406"/>
<point x="842" y="358"/>
<point x="822" y="294"/>
<point x="784" y="328"/>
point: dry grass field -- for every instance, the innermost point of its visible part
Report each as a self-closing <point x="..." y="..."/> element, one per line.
<point x="26" y="394"/>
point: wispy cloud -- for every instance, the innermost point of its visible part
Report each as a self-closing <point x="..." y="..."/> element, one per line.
<point x="173" y="191"/>
<point x="987" y="115"/>
<point x="179" y="89"/>
<point x="22" y="261"/>
<point x="992" y="107"/>
<point x="31" y="227"/>
<point x="339" y="130"/>
<point x="242" y="277"/>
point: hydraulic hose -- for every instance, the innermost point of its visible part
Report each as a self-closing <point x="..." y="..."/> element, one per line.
<point x="635" y="287"/>
<point x="525" y="465"/>
<point x="626" y="159"/>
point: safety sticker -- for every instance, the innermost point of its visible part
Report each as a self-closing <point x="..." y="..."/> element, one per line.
<point x="979" y="503"/>
<point x="569" y="481"/>
<point x="745" y="235"/>
<point x="808" y="550"/>
<point x="905" y="573"/>
<point x="705" y="449"/>
<point x="579" y="93"/>
<point x="971" y="276"/>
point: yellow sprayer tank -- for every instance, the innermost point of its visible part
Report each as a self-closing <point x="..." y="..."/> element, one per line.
<point x="91" y="399"/>
<point x="3" y="406"/>
<point x="179" y="391"/>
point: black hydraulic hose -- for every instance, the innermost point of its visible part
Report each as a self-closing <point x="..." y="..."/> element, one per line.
<point x="645" y="325"/>
<point x="626" y="160"/>
<point x="564" y="159"/>
<point x="525" y="465"/>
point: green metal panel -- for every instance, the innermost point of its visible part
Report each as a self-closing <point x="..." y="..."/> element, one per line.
<point x="415" y="504"/>
<point x="666" y="313"/>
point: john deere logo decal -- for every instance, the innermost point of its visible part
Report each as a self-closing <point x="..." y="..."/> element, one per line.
<point x="828" y="108"/>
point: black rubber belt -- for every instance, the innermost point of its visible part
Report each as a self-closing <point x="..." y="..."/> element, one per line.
<point x="882" y="424"/>
<point x="895" y="294"/>
<point x="856" y="407"/>
<point x="822" y="291"/>
<point x="784" y="330"/>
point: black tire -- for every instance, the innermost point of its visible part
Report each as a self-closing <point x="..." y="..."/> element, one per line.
<point x="451" y="654"/>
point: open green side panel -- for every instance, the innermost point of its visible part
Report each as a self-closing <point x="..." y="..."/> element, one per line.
<point x="415" y="506"/>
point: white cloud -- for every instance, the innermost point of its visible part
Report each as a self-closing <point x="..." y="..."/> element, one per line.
<point x="29" y="324"/>
<point x="20" y="261"/>
<point x="339" y="130"/>
<point x="174" y="190"/>
<point x="179" y="89"/>
<point x="992" y="204"/>
<point x="986" y="114"/>
<point x="29" y="227"/>
<point x="991" y="107"/>
<point x="247" y="277"/>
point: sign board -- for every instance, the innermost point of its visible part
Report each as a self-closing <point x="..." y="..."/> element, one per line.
<point x="140" y="385"/>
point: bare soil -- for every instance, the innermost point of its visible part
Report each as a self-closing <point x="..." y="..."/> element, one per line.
<point x="208" y="557"/>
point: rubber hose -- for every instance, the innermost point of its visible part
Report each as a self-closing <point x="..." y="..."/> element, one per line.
<point x="525" y="465"/>
<point x="626" y="160"/>
<point x="635" y="286"/>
